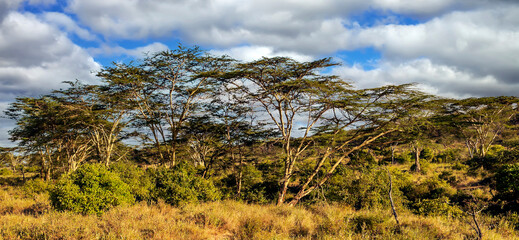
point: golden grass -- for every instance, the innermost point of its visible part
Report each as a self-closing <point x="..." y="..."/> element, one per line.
<point x="32" y="218"/>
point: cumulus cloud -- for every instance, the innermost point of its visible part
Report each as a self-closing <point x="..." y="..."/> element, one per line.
<point x="139" y="52"/>
<point x="68" y="25"/>
<point x="438" y="79"/>
<point x="35" y="58"/>
<point x="482" y="43"/>
<point x="250" y="53"/>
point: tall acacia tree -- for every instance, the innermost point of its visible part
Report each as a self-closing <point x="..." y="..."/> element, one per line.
<point x="166" y="88"/>
<point x="294" y="96"/>
<point x="55" y="128"/>
<point x="297" y="99"/>
<point x="356" y="120"/>
<point x="480" y="121"/>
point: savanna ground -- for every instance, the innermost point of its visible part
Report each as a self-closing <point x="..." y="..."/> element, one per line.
<point x="26" y="213"/>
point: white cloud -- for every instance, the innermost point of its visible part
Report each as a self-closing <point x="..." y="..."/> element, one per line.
<point x="250" y="53"/>
<point x="68" y="25"/>
<point x="139" y="52"/>
<point x="438" y="79"/>
<point x="483" y="42"/>
<point x="478" y="38"/>
<point x="35" y="57"/>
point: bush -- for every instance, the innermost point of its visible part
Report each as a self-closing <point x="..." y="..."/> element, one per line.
<point x="496" y="157"/>
<point x="136" y="178"/>
<point x="91" y="189"/>
<point x="436" y="207"/>
<point x="35" y="186"/>
<point x="431" y="188"/>
<point x="404" y="157"/>
<point x="507" y="185"/>
<point x="460" y="166"/>
<point x="181" y="185"/>
<point x="448" y="156"/>
<point x="427" y="154"/>
<point x="448" y="176"/>
<point x="368" y="190"/>
<point x="5" y="172"/>
<point x="33" y="169"/>
<point x="254" y="187"/>
<point x="507" y="180"/>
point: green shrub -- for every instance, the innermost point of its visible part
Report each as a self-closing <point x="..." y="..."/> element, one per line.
<point x="91" y="189"/>
<point x="448" y="156"/>
<point x="436" y="207"/>
<point x="460" y="166"/>
<point x="507" y="179"/>
<point x="181" y="185"/>
<point x="424" y="166"/>
<point x="431" y="188"/>
<point x="496" y="151"/>
<point x="427" y="154"/>
<point x="33" y="169"/>
<point x="448" y="176"/>
<point x="507" y="185"/>
<point x="404" y="157"/>
<point x="35" y="186"/>
<point x="253" y="186"/>
<point x="135" y="177"/>
<point x="370" y="223"/>
<point x="366" y="187"/>
<point x="5" y="172"/>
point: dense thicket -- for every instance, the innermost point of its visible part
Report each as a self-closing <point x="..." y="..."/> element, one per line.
<point x="183" y="126"/>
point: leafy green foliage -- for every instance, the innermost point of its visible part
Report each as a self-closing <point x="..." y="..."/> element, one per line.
<point x="135" y="177"/>
<point x="181" y="185"/>
<point x="507" y="185"/>
<point x="427" y="154"/>
<point x="5" y="172"/>
<point x="437" y="207"/>
<point x="431" y="188"/>
<point x="448" y="156"/>
<point x="366" y="187"/>
<point x="36" y="186"/>
<point x="91" y="189"/>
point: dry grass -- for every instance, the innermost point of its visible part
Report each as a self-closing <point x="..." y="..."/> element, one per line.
<point x="32" y="218"/>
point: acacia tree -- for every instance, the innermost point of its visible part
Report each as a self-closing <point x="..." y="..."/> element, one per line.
<point x="480" y="121"/>
<point x="357" y="120"/>
<point x="52" y="127"/>
<point x="231" y="110"/>
<point x="165" y="89"/>
<point x="293" y="95"/>
<point x="13" y="158"/>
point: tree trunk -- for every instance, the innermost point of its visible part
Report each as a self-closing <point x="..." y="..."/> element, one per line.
<point x="478" y="229"/>
<point x="391" y="198"/>
<point x="417" y="159"/>
<point x="471" y="152"/>
<point x="239" y="179"/>
<point x="22" y="169"/>
<point x="393" y="148"/>
<point x="283" y="192"/>
<point x="285" y="181"/>
<point x="48" y="174"/>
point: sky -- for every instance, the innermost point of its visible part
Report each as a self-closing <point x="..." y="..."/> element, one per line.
<point x="451" y="48"/>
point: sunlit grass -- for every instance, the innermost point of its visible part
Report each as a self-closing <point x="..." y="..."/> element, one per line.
<point x="32" y="218"/>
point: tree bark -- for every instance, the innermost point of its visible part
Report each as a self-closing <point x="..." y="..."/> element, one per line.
<point x="417" y="159"/>
<point x="391" y="198"/>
